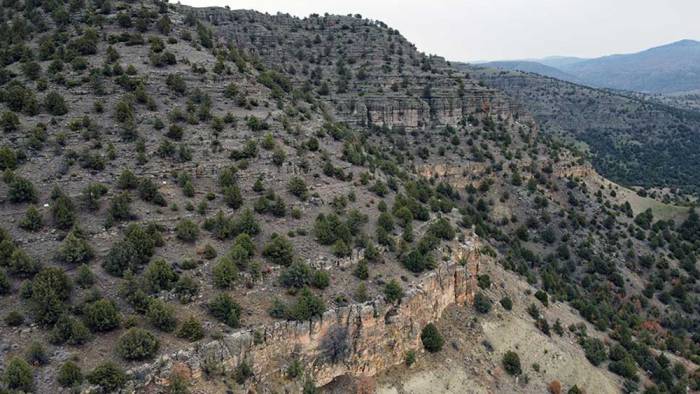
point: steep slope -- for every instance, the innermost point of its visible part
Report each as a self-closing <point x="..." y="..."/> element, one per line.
<point x="194" y="195"/>
<point x="670" y="68"/>
<point x="633" y="140"/>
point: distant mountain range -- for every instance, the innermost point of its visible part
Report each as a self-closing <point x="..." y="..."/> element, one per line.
<point x="672" y="68"/>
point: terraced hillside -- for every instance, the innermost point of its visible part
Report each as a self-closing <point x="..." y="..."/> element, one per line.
<point x="182" y="185"/>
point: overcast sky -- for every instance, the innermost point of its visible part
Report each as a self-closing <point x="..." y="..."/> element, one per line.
<point x="511" y="29"/>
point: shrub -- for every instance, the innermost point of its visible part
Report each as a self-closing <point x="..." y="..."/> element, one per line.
<point x="595" y="350"/>
<point x="225" y="272"/>
<point x="482" y="303"/>
<point x="109" y="376"/>
<point x="243" y="372"/>
<point x="393" y="291"/>
<point x="134" y="250"/>
<point x="8" y="158"/>
<point x="209" y="252"/>
<point x="75" y="249"/>
<point x="511" y="363"/>
<point x="507" y="303"/>
<point x="9" y="121"/>
<point x="295" y="369"/>
<point x="63" y="212"/>
<point x="159" y="276"/>
<point x="137" y="344"/>
<point x="543" y="297"/>
<point x="148" y="191"/>
<point x="22" y="265"/>
<point x="119" y="207"/>
<point x="55" y="104"/>
<point x="297" y="275"/>
<point x="36" y="354"/>
<point x="431" y="338"/>
<point x="329" y="228"/>
<point x="5" y="285"/>
<point x="14" y="319"/>
<point x="101" y="315"/>
<point x="91" y="195"/>
<point x="69" y="375"/>
<point x="32" y="221"/>
<point x="69" y="330"/>
<point x="297" y="187"/>
<point x="21" y="190"/>
<point x="186" y="289"/>
<point x="279" y="250"/>
<point x="232" y="196"/>
<point x="127" y="180"/>
<point x="187" y="230"/>
<point x="362" y="270"/>
<point x="191" y="329"/>
<point x="341" y="249"/>
<point x="307" y="305"/>
<point x="224" y="308"/>
<point x="320" y="279"/>
<point x="176" y="83"/>
<point x="50" y="288"/>
<point x="410" y="357"/>
<point x="247" y="224"/>
<point x="484" y="281"/>
<point x="161" y="315"/>
<point x="85" y="277"/>
<point x="18" y="375"/>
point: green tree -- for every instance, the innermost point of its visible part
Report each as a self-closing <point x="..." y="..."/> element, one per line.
<point x="224" y="308"/>
<point x="187" y="230"/>
<point x="159" y="276"/>
<point x="32" y="221"/>
<point x="21" y="190"/>
<point x="161" y="315"/>
<point x="482" y="303"/>
<point x="51" y="287"/>
<point x="511" y="363"/>
<point x="101" y="315"/>
<point x="225" y="272"/>
<point x="191" y="329"/>
<point x="75" y="249"/>
<point x="109" y="376"/>
<point x="55" y="104"/>
<point x="393" y="291"/>
<point x="279" y="250"/>
<point x="431" y="338"/>
<point x="69" y="374"/>
<point x="18" y="375"/>
<point x="137" y="344"/>
<point x="307" y="305"/>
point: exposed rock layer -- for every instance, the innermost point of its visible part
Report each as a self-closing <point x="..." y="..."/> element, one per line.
<point x="357" y="340"/>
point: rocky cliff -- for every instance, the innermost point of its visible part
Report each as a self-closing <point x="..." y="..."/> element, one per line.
<point x="357" y="340"/>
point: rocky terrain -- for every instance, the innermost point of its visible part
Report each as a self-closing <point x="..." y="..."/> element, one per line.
<point x="206" y="200"/>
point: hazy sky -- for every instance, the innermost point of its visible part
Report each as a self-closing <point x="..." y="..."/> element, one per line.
<point x="511" y="29"/>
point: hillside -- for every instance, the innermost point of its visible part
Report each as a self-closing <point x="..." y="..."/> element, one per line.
<point x="671" y="68"/>
<point x="634" y="140"/>
<point x="206" y="200"/>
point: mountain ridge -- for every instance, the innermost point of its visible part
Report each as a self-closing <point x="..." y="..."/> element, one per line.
<point x="668" y="68"/>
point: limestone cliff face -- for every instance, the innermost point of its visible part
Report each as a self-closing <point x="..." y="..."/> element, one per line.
<point x="422" y="91"/>
<point x="414" y="112"/>
<point x="357" y="340"/>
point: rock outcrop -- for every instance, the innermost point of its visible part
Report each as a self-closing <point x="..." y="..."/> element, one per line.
<point x="357" y="340"/>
